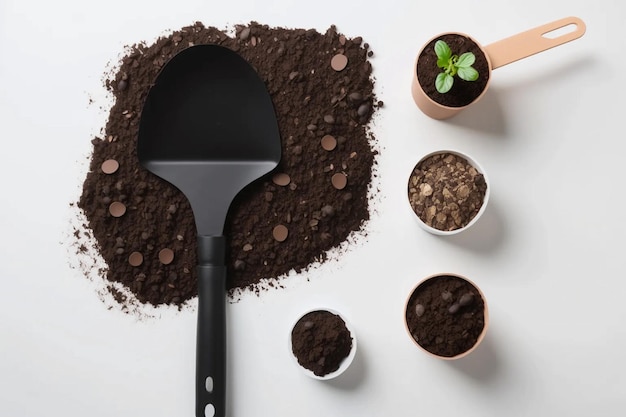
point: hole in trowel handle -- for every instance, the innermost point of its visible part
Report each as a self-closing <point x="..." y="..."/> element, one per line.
<point x="557" y="33"/>
<point x="209" y="410"/>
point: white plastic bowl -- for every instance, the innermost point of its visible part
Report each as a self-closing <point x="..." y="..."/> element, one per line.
<point x="478" y="167"/>
<point x="345" y="364"/>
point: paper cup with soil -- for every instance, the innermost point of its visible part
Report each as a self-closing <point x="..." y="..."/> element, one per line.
<point x="452" y="70"/>
<point x="446" y="316"/>
<point x="322" y="344"/>
<point x="448" y="192"/>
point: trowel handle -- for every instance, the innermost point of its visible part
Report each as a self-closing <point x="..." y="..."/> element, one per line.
<point x="532" y="41"/>
<point x="211" y="336"/>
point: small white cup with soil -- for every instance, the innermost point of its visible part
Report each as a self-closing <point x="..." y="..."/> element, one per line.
<point x="446" y="316"/>
<point x="448" y="192"/>
<point x="322" y="343"/>
<point x="453" y="71"/>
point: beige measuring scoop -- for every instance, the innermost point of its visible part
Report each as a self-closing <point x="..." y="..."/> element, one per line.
<point x="498" y="54"/>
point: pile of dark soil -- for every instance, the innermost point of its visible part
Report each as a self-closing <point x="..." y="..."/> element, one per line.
<point x="322" y="90"/>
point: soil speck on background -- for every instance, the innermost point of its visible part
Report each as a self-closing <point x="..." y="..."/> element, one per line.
<point x="312" y="100"/>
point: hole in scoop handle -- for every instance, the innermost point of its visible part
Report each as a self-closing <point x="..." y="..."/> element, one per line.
<point x="211" y="337"/>
<point x="532" y="41"/>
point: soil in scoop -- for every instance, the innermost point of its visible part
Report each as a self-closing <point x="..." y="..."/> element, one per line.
<point x="311" y="100"/>
<point x="320" y="341"/>
<point x="462" y="92"/>
<point x="445" y="315"/>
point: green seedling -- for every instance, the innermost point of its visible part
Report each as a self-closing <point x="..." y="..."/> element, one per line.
<point x="453" y="65"/>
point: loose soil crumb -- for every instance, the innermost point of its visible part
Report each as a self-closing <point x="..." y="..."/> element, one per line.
<point x="312" y="100"/>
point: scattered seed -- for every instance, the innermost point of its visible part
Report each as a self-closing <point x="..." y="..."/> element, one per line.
<point x="135" y="259"/>
<point x="166" y="256"/>
<point x="342" y="40"/>
<point x="339" y="62"/>
<point x="247" y="247"/>
<point x="280" y="233"/>
<point x="454" y="308"/>
<point x="110" y="166"/>
<point x="117" y="209"/>
<point x="308" y="324"/>
<point x="339" y="181"/>
<point x="329" y="142"/>
<point x="329" y="119"/>
<point x="446" y="295"/>
<point x="281" y="179"/>
<point x="122" y="85"/>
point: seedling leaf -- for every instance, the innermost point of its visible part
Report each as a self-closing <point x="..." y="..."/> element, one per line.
<point x="453" y="65"/>
<point x="466" y="60"/>
<point x="443" y="51"/>
<point x="444" y="82"/>
<point x="468" y="73"/>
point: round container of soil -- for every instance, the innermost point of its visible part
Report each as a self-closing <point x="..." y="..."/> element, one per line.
<point x="453" y="71"/>
<point x="322" y="343"/>
<point x="443" y="96"/>
<point x="448" y="192"/>
<point x="446" y="316"/>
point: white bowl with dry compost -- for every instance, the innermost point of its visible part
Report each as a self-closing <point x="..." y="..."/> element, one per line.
<point x="447" y="191"/>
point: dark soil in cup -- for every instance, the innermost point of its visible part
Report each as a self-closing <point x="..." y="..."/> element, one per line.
<point x="320" y="341"/>
<point x="445" y="315"/>
<point x="462" y="92"/>
<point x="286" y="221"/>
<point x="446" y="191"/>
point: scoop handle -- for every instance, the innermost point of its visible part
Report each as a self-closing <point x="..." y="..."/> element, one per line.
<point x="211" y="332"/>
<point x="532" y="41"/>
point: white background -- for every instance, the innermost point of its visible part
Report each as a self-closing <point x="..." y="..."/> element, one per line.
<point x="548" y="254"/>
